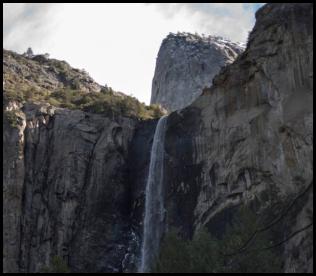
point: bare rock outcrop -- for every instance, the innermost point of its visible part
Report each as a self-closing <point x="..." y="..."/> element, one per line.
<point x="187" y="63"/>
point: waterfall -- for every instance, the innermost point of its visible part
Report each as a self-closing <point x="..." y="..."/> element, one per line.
<point x="154" y="209"/>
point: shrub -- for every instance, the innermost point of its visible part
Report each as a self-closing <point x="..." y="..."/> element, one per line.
<point x="53" y="101"/>
<point x="58" y="265"/>
<point x="12" y="118"/>
<point x="106" y="102"/>
<point x="237" y="239"/>
<point x="75" y="84"/>
<point x="174" y="255"/>
<point x="200" y="255"/>
<point x="208" y="254"/>
<point x="204" y="256"/>
<point x="14" y="95"/>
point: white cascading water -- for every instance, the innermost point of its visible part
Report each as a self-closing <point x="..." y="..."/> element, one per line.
<point x="154" y="209"/>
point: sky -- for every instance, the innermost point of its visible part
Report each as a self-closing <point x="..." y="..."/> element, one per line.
<point x="118" y="43"/>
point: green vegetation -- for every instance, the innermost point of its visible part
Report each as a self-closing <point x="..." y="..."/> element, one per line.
<point x="106" y="102"/>
<point x="13" y="95"/>
<point x="36" y="79"/>
<point x="12" y="118"/>
<point x="58" y="265"/>
<point x="24" y="93"/>
<point x="245" y="252"/>
<point x="233" y="252"/>
<point x="177" y="255"/>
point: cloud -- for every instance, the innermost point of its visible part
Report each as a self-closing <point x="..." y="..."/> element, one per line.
<point x="117" y="43"/>
<point x="23" y="22"/>
<point x="231" y="20"/>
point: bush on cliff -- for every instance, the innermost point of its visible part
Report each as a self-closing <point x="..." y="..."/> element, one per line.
<point x="58" y="265"/>
<point x="109" y="104"/>
<point x="11" y="117"/>
<point x="106" y="102"/>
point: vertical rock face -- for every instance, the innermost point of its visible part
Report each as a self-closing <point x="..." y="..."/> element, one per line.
<point x="74" y="182"/>
<point x="66" y="177"/>
<point x="138" y="167"/>
<point x="65" y="190"/>
<point x="13" y="180"/>
<point x="249" y="137"/>
<point x="187" y="63"/>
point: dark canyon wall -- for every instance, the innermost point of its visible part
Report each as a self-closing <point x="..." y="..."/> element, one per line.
<point x="248" y="139"/>
<point x="74" y="182"/>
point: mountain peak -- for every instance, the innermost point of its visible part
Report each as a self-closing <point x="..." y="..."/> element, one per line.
<point x="186" y="64"/>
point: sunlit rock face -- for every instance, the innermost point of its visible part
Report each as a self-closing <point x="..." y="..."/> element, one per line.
<point x="187" y="63"/>
<point x="74" y="182"/>
<point x="249" y="137"/>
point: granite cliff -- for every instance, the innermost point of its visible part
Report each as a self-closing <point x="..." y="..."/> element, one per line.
<point x="74" y="176"/>
<point x="248" y="139"/>
<point x="63" y="186"/>
<point x="186" y="63"/>
<point x="65" y="143"/>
